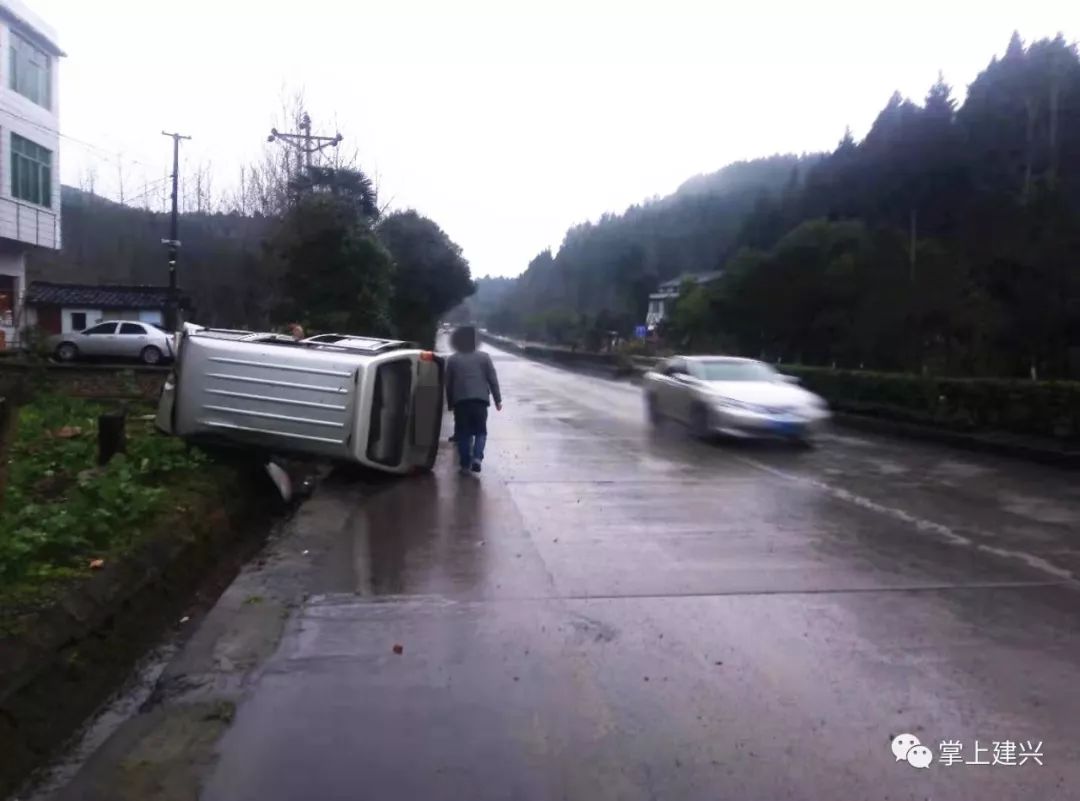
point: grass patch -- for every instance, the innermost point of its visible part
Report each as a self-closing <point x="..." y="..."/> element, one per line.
<point x="61" y="512"/>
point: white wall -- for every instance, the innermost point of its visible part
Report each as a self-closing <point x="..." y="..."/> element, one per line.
<point x="93" y="316"/>
<point x="19" y="220"/>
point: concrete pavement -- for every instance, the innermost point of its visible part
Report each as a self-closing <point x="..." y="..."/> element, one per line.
<point x="612" y="612"/>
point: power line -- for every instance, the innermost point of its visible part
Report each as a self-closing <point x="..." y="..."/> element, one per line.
<point x="108" y="155"/>
<point x="148" y="189"/>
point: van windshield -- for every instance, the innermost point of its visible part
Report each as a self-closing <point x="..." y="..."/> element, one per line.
<point x="390" y="412"/>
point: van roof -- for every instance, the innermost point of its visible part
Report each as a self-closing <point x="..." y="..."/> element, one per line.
<point x="350" y="342"/>
<point x="354" y="342"/>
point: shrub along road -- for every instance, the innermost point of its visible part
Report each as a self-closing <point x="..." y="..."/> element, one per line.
<point x="614" y="612"/>
<point x="95" y="562"/>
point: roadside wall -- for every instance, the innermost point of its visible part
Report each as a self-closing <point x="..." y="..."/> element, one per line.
<point x="90" y="381"/>
<point x="1031" y="419"/>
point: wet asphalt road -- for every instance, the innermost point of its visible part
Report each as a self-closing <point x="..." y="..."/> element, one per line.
<point x="610" y="612"/>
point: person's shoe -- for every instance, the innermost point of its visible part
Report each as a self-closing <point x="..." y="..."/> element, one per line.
<point x="476" y="467"/>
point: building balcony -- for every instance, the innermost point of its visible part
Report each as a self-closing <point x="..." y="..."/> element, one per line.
<point x="29" y="224"/>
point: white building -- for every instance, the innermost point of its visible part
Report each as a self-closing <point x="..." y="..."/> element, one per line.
<point x="29" y="153"/>
<point x="662" y="301"/>
<point x="66" y="308"/>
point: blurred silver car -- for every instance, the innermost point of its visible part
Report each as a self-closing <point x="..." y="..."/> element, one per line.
<point x="728" y="395"/>
<point x="115" y="339"/>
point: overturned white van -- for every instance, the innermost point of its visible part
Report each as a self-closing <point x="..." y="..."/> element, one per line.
<point x="374" y="402"/>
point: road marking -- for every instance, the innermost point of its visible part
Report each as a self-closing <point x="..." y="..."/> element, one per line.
<point x="333" y="601"/>
<point x="945" y="532"/>
<point x="941" y="530"/>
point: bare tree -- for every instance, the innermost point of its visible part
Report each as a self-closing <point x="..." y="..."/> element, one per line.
<point x="239" y="201"/>
<point x="265" y="185"/>
<point x="88" y="179"/>
<point x="207" y="172"/>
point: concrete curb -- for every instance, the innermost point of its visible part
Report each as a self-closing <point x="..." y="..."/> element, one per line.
<point x="1000" y="444"/>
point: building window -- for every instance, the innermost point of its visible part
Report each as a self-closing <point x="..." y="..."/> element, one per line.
<point x="78" y="321"/>
<point x="30" y="70"/>
<point x="7" y="300"/>
<point x="31" y="171"/>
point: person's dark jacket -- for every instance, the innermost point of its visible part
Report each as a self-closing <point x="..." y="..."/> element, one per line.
<point x="471" y="376"/>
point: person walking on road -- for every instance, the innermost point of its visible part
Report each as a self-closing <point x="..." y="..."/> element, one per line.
<point x="471" y="385"/>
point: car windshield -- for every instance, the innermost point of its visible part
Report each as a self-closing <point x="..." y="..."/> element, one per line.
<point x="160" y="328"/>
<point x="729" y="370"/>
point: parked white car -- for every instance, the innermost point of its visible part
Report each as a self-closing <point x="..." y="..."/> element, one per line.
<point x="733" y="396"/>
<point x="115" y="339"/>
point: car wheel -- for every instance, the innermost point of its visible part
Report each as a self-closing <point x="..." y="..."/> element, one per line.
<point x="652" y="410"/>
<point x="151" y="355"/>
<point x="67" y="352"/>
<point x="699" y="422"/>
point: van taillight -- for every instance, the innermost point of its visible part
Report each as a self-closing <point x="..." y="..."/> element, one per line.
<point x="427" y="356"/>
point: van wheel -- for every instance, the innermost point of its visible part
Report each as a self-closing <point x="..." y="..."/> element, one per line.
<point x="67" y="352"/>
<point x="151" y="355"/>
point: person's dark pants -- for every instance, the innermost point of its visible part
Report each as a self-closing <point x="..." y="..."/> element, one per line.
<point x="470" y="430"/>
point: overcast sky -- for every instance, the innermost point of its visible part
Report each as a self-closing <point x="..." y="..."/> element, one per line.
<point x="506" y="122"/>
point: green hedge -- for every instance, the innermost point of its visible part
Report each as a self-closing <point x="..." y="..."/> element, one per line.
<point x="1041" y="408"/>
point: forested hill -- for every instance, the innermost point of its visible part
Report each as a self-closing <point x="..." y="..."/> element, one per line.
<point x="946" y="240"/>
<point x="222" y="265"/>
<point x="610" y="266"/>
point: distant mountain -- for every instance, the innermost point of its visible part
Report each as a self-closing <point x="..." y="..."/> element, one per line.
<point x="221" y="265"/>
<point x="943" y="242"/>
<point x="771" y="172"/>
<point x="489" y="294"/>
<point x="611" y="266"/>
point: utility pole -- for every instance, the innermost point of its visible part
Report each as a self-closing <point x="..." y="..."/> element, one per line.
<point x="304" y="143"/>
<point x="172" y="316"/>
